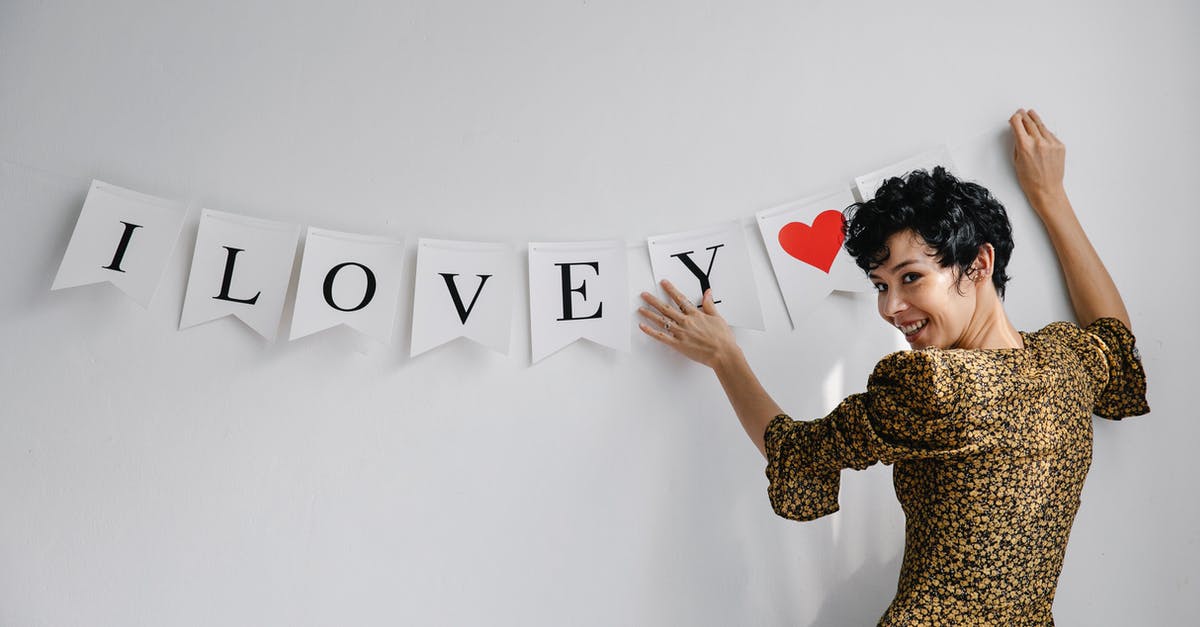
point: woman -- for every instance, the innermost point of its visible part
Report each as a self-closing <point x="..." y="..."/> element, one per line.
<point x="989" y="428"/>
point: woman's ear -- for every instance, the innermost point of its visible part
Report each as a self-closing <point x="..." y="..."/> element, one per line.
<point x="984" y="263"/>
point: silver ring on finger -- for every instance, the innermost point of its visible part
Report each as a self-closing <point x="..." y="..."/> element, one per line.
<point x="667" y="327"/>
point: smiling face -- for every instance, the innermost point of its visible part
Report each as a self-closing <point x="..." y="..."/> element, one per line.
<point x="926" y="301"/>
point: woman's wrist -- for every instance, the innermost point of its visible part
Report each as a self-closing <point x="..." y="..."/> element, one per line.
<point x="1050" y="204"/>
<point x="727" y="359"/>
<point x="1043" y="198"/>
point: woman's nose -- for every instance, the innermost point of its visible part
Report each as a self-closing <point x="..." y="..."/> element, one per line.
<point x="893" y="304"/>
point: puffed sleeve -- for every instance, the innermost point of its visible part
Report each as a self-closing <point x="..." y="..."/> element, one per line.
<point x="1108" y="353"/>
<point x="911" y="410"/>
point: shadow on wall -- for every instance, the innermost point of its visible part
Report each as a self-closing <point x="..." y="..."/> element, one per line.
<point x="865" y="547"/>
<point x="862" y="597"/>
<point x="841" y="569"/>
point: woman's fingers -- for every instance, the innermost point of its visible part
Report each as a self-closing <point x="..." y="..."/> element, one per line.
<point x="658" y="334"/>
<point x="1030" y="131"/>
<point x="1038" y="156"/>
<point x="667" y="310"/>
<point x="1017" y="126"/>
<point x="1020" y="137"/>
<point x="685" y="304"/>
<point x="701" y="335"/>
<point x="657" y="318"/>
<point x="1037" y="119"/>
<point x="1031" y="127"/>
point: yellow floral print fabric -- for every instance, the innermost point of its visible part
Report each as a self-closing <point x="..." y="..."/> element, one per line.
<point x="990" y="449"/>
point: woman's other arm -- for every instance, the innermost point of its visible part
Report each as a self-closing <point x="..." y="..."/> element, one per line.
<point x="702" y="335"/>
<point x="751" y="403"/>
<point x="1039" y="159"/>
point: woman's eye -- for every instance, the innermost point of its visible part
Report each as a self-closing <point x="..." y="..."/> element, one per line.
<point x="911" y="276"/>
<point x="881" y="287"/>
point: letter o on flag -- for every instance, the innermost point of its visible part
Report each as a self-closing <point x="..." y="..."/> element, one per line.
<point x="368" y="294"/>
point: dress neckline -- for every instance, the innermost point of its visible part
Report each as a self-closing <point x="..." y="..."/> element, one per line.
<point x="1023" y="349"/>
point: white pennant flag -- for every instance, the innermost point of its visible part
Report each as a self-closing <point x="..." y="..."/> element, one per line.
<point x="350" y="279"/>
<point x="123" y="237"/>
<point x="715" y="257"/>
<point x="804" y="243"/>
<point x="870" y="183"/>
<point x="241" y="267"/>
<point x="463" y="289"/>
<point x="578" y="290"/>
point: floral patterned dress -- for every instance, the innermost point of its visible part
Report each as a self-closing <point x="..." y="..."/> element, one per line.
<point x="990" y="450"/>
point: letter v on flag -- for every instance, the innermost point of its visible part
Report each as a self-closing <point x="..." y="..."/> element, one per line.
<point x="463" y="289"/>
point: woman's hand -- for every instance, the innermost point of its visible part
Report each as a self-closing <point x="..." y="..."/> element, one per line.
<point x="700" y="334"/>
<point x="1039" y="159"/>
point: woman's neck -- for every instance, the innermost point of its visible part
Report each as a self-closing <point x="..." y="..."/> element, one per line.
<point x="990" y="327"/>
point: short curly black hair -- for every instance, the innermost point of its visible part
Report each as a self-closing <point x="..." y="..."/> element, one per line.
<point x="954" y="218"/>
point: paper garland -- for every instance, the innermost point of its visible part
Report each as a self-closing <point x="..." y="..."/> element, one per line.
<point x="242" y="266"/>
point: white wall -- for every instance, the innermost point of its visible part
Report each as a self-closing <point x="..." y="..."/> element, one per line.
<point x="151" y="476"/>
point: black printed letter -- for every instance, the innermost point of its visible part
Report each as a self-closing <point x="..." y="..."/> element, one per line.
<point x="370" y="292"/>
<point x="120" y="254"/>
<point x="230" y="258"/>
<point x="691" y="265"/>
<point x="582" y="289"/>
<point x="458" y="305"/>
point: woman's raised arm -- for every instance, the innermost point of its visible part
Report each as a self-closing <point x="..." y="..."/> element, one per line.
<point x="702" y="335"/>
<point x="1039" y="159"/>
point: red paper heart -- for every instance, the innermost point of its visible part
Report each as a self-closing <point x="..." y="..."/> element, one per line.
<point x="816" y="245"/>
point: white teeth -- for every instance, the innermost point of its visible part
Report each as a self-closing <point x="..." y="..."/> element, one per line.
<point x="912" y="328"/>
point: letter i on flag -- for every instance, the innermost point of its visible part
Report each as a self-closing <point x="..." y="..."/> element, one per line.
<point x="715" y="257"/>
<point x="804" y="242"/>
<point x="123" y="237"/>
<point x="241" y="267"/>
<point x="463" y="289"/>
<point x="350" y="279"/>
<point x="578" y="290"/>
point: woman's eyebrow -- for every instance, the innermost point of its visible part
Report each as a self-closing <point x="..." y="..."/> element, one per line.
<point x="895" y="267"/>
